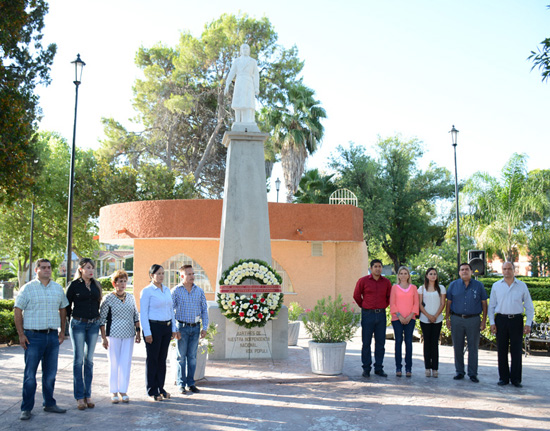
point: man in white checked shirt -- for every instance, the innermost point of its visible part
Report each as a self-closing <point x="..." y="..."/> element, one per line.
<point x="191" y="310"/>
<point x="39" y="312"/>
<point x="509" y="297"/>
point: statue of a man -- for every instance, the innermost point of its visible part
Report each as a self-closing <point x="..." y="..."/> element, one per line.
<point x="247" y="85"/>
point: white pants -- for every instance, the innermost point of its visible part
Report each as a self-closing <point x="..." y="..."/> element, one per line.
<point x="120" y="361"/>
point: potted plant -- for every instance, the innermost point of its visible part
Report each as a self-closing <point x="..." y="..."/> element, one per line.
<point x="295" y="310"/>
<point x="330" y="324"/>
<point x="205" y="346"/>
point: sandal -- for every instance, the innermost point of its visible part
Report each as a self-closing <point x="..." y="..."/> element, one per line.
<point x="166" y="395"/>
<point x="89" y="403"/>
<point x="115" y="399"/>
<point x="125" y="398"/>
<point x="156" y="398"/>
<point x="80" y="405"/>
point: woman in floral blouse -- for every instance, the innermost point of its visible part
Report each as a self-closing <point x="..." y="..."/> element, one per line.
<point x="119" y="327"/>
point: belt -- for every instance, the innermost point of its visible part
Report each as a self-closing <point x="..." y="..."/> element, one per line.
<point x="42" y="331"/>
<point x="161" y="322"/>
<point x="374" y="310"/>
<point x="464" y="316"/>
<point x="510" y="316"/>
<point x="192" y="325"/>
<point x="81" y="319"/>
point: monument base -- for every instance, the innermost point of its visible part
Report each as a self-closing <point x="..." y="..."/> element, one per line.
<point x="237" y="342"/>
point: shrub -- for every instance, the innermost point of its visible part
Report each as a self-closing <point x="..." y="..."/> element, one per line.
<point x="7" y="304"/>
<point x="61" y="281"/>
<point x="8" y="332"/>
<point x="106" y="284"/>
<point x="331" y="321"/>
<point x="6" y="275"/>
<point x="294" y="311"/>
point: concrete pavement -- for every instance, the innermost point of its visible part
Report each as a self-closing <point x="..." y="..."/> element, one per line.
<point x="285" y="395"/>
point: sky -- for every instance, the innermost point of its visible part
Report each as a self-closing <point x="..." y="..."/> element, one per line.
<point x="379" y="68"/>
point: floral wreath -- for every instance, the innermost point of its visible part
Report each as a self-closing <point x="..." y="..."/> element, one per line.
<point x="250" y="310"/>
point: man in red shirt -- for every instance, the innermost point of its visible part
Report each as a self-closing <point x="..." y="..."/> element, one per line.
<point x="372" y="294"/>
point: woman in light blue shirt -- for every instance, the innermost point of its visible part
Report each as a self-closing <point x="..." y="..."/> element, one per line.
<point x="159" y="327"/>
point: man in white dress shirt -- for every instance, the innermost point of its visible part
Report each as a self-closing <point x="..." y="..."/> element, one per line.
<point x="509" y="297"/>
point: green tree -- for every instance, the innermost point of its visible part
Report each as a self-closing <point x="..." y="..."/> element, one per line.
<point x="498" y="211"/>
<point x="314" y="188"/>
<point x="182" y="111"/>
<point x="297" y="131"/>
<point x="541" y="58"/>
<point x="539" y="232"/>
<point x="397" y="198"/>
<point x="24" y="63"/>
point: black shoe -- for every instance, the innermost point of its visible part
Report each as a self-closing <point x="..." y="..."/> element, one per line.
<point x="366" y="374"/>
<point x="517" y="384"/>
<point x="182" y="390"/>
<point x="381" y="373"/>
<point x="474" y="379"/>
<point x="194" y="389"/>
<point x="25" y="415"/>
<point x="458" y="377"/>
<point x="502" y="383"/>
<point x="54" y="409"/>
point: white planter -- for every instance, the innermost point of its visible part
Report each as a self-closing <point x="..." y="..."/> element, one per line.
<point x="293" y="332"/>
<point x="327" y="358"/>
<point x="200" y="371"/>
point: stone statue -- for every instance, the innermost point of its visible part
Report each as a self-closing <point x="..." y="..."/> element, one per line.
<point x="247" y="85"/>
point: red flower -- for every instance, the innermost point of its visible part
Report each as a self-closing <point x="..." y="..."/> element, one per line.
<point x="233" y="303"/>
<point x="255" y="307"/>
<point x="251" y="301"/>
<point x="254" y="295"/>
<point x="271" y="311"/>
<point x="241" y="314"/>
<point x="260" y="315"/>
<point x="262" y="299"/>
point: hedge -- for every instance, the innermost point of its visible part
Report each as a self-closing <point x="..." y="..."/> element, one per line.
<point x="7" y="304"/>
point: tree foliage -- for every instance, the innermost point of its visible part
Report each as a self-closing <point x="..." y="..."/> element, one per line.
<point x="398" y="199"/>
<point x="541" y="58"/>
<point x="181" y="109"/>
<point x="498" y="211"/>
<point x="314" y="188"/>
<point x="24" y="63"/>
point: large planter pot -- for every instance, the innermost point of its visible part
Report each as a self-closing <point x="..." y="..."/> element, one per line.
<point x="293" y="332"/>
<point x="327" y="358"/>
<point x="200" y="370"/>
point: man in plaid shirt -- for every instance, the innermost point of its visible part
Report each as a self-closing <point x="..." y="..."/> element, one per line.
<point x="190" y="307"/>
<point x="39" y="312"/>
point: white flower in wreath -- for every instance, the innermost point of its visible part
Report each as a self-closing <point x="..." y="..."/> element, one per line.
<point x="245" y="305"/>
<point x="247" y="320"/>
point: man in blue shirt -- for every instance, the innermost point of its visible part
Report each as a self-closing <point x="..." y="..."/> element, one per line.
<point x="190" y="307"/>
<point x="466" y="300"/>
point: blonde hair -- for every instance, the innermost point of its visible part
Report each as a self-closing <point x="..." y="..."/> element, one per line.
<point x="408" y="272"/>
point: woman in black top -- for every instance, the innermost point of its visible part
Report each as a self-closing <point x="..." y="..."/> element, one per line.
<point x="84" y="295"/>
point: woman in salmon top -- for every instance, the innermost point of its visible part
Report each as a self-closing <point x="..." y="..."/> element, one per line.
<point x="403" y="309"/>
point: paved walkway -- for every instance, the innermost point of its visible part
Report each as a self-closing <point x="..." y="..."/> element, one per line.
<point x="285" y="395"/>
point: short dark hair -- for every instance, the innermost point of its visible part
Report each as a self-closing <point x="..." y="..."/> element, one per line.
<point x="42" y="260"/>
<point x="467" y="264"/>
<point x="184" y="267"/>
<point x="372" y="262"/>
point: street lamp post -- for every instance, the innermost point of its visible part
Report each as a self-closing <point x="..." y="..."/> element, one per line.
<point x="454" y="135"/>
<point x="278" y="187"/>
<point x="78" y="67"/>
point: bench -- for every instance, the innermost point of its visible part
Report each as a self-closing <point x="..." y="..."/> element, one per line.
<point x="540" y="333"/>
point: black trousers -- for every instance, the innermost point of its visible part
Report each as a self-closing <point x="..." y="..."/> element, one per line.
<point x="155" y="363"/>
<point x="509" y="333"/>
<point x="430" y="333"/>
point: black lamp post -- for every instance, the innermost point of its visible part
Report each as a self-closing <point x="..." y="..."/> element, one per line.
<point x="78" y="67"/>
<point x="277" y="187"/>
<point x="32" y="236"/>
<point x="454" y="136"/>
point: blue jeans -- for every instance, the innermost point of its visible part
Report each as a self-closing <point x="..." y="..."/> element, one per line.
<point x="373" y="323"/>
<point x="45" y="348"/>
<point x="406" y="330"/>
<point x="187" y="354"/>
<point x="84" y="339"/>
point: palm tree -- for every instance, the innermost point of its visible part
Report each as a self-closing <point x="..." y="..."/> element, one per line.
<point x="500" y="210"/>
<point x="314" y="188"/>
<point x="296" y="131"/>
